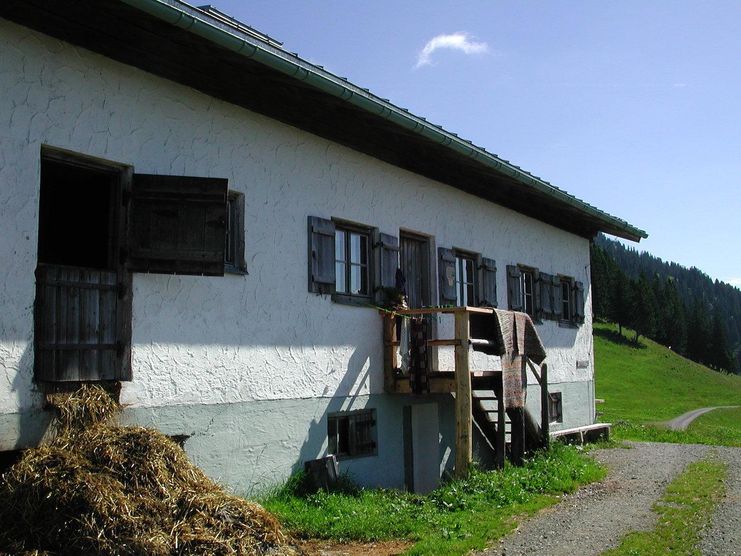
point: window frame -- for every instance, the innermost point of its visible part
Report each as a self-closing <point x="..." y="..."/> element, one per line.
<point x="525" y="272"/>
<point x="460" y="257"/>
<point x="352" y="419"/>
<point x="568" y="321"/>
<point x="235" y="234"/>
<point x="555" y="408"/>
<point x="348" y="228"/>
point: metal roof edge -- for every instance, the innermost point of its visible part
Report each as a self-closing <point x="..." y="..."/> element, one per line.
<point x="200" y="23"/>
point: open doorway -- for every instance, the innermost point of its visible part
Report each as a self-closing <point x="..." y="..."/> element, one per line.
<point x="82" y="300"/>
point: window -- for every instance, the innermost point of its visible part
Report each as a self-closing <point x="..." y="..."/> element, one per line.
<point x="555" y="407"/>
<point x="352" y="434"/>
<point x="465" y="279"/>
<point x="234" y="241"/>
<point x="566" y="300"/>
<point x="351" y="261"/>
<point x="528" y="292"/>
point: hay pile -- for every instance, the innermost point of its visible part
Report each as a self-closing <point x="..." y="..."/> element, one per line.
<point x="97" y="488"/>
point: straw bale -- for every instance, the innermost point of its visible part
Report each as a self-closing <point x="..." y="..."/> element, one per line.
<point x="98" y="488"/>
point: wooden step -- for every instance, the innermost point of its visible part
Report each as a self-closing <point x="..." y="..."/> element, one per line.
<point x="484" y="394"/>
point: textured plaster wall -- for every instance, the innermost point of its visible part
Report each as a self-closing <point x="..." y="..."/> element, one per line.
<point x="205" y="340"/>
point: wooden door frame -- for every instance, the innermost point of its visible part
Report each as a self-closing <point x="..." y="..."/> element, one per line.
<point x="432" y="281"/>
<point x="121" y="176"/>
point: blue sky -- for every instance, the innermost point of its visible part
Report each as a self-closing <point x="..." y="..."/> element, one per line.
<point x="633" y="106"/>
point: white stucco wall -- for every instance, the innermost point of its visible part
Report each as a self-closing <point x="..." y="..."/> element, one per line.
<point x="238" y="338"/>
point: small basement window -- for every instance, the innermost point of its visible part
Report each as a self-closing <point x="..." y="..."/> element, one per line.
<point x="555" y="407"/>
<point x="352" y="434"/>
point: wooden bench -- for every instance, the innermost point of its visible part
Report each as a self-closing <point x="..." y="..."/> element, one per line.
<point x="586" y="433"/>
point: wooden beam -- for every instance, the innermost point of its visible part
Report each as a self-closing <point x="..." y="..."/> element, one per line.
<point x="545" y="419"/>
<point x="463" y="415"/>
<point x="443" y="342"/>
<point x="534" y="369"/>
<point x="389" y="352"/>
<point x="438" y="385"/>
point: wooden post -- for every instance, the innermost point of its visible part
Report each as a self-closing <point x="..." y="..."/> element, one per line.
<point x="501" y="440"/>
<point x="389" y="352"/>
<point x="517" y="434"/>
<point x="463" y="416"/>
<point x="545" y="419"/>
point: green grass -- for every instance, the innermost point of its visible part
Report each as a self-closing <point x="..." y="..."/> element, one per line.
<point x="645" y="385"/>
<point x="459" y="516"/>
<point x="724" y="425"/>
<point x="684" y="510"/>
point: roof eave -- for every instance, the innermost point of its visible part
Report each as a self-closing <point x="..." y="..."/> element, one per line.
<point x="195" y="21"/>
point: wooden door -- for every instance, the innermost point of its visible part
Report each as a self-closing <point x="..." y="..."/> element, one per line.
<point x="77" y="336"/>
<point x="415" y="264"/>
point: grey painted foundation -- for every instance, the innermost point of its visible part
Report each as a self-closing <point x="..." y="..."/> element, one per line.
<point x="250" y="446"/>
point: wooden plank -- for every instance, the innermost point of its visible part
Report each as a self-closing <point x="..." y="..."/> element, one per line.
<point x="544" y="417"/>
<point x="434" y="310"/>
<point x="501" y="440"/>
<point x="443" y="342"/>
<point x="463" y="409"/>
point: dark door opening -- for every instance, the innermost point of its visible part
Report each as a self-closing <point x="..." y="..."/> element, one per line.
<point x="76" y="216"/>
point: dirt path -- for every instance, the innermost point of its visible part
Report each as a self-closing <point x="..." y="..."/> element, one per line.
<point x="596" y="517"/>
<point x="682" y="422"/>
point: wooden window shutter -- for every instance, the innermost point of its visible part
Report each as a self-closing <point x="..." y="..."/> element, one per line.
<point x="537" y="304"/>
<point x="545" y="287"/>
<point x="557" y="296"/>
<point x="321" y="255"/>
<point x="487" y="282"/>
<point x="578" y="301"/>
<point x="386" y="249"/>
<point x="514" y="288"/>
<point x="178" y="225"/>
<point x="446" y="275"/>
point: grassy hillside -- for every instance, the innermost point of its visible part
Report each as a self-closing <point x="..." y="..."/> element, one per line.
<point x="649" y="383"/>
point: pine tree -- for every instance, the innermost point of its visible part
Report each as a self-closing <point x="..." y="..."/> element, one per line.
<point x="643" y="314"/>
<point x="718" y="355"/>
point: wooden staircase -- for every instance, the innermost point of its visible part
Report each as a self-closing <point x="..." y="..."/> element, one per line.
<point x="487" y="413"/>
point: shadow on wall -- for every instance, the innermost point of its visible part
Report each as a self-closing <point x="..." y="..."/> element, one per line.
<point x="31" y="421"/>
<point x="362" y="368"/>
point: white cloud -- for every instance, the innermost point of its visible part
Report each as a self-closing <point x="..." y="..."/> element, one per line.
<point x="733" y="281"/>
<point x="455" y="41"/>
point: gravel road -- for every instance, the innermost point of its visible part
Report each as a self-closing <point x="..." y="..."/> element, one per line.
<point x="597" y="516"/>
<point x="683" y="421"/>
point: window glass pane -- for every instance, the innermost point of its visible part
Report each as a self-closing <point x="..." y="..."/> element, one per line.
<point x="332" y="435"/>
<point x="468" y="270"/>
<point x="340" y="277"/>
<point x="358" y="248"/>
<point x="339" y="245"/>
<point x="469" y="294"/>
<point x="343" y="434"/>
<point x="358" y="280"/>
